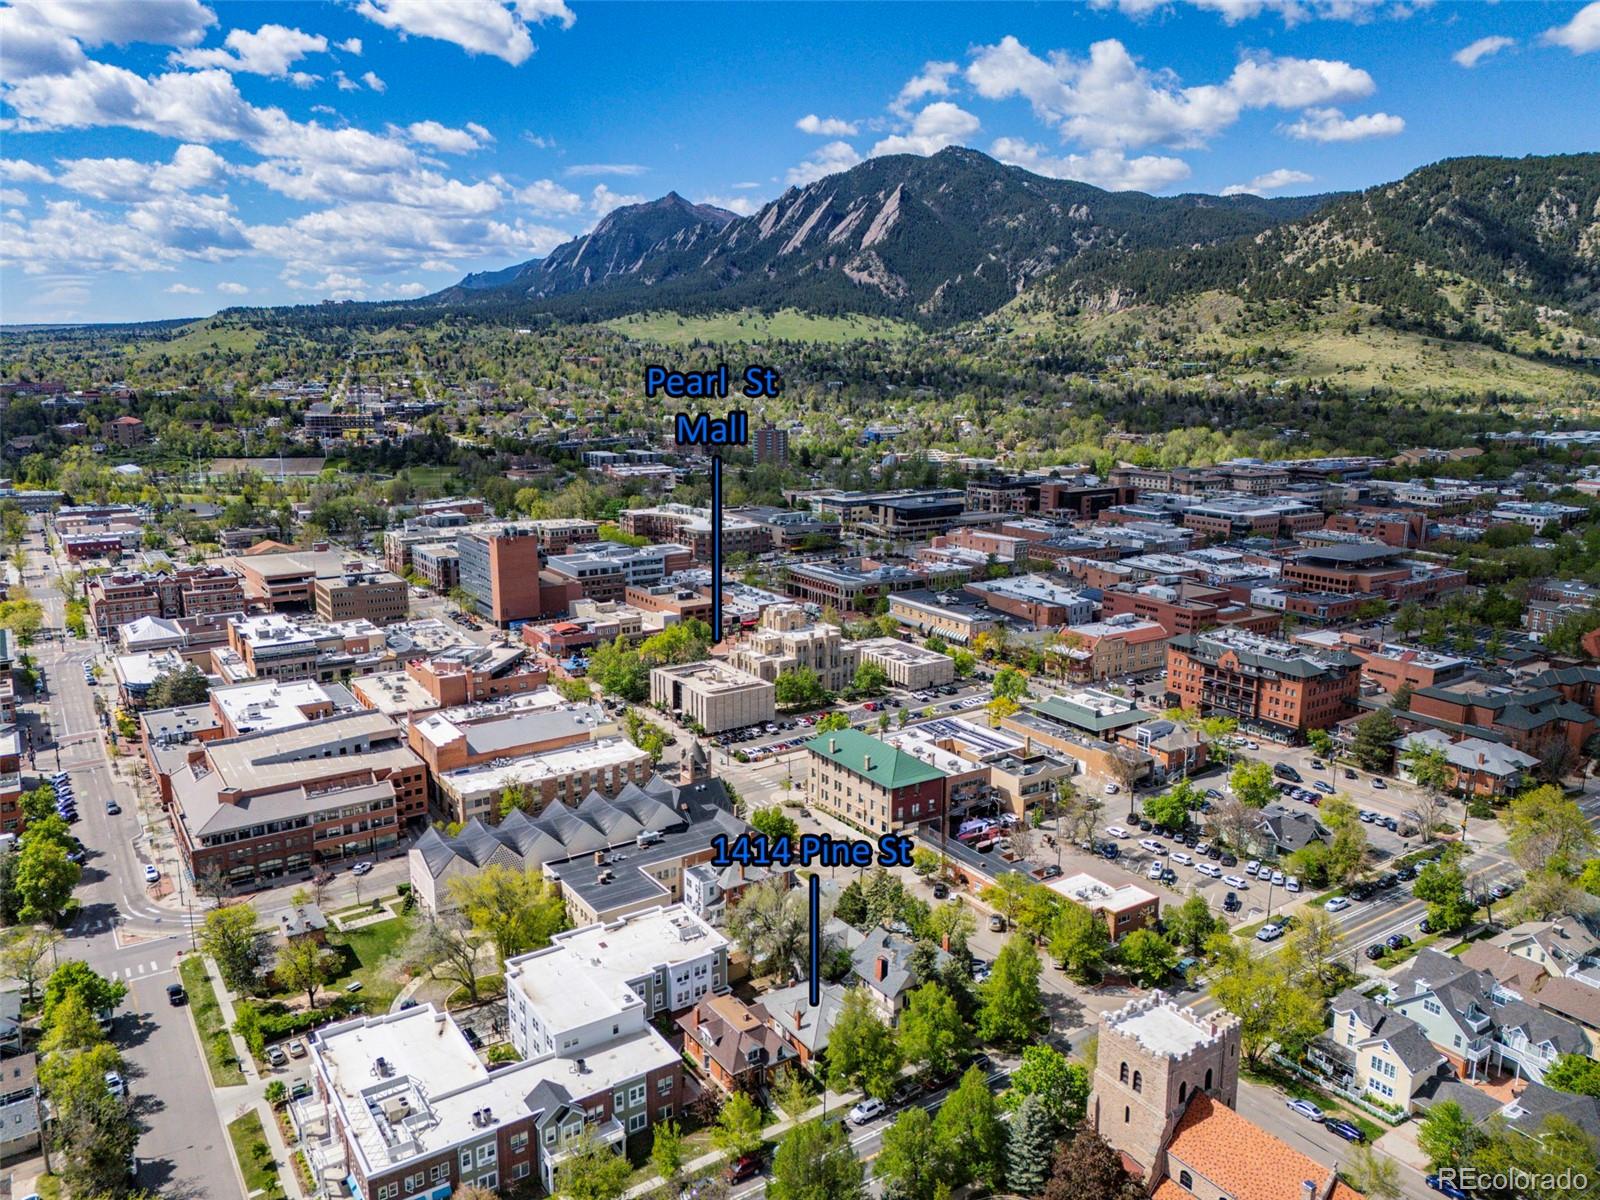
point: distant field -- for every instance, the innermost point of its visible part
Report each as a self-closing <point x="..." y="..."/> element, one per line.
<point x="199" y="338"/>
<point x="441" y="479"/>
<point x="788" y="324"/>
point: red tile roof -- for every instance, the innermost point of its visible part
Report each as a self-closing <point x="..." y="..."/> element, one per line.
<point x="1242" y="1159"/>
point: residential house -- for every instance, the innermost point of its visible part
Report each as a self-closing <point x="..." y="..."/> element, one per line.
<point x="803" y="1028"/>
<point x="1373" y="1050"/>
<point x="733" y="1045"/>
<point x="882" y="963"/>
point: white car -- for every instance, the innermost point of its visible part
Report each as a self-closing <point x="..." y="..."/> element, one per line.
<point x="1292" y="884"/>
<point x="1269" y="933"/>
<point x="1152" y="845"/>
<point x="116" y="1085"/>
<point x="1112" y="789"/>
<point x="1252" y="868"/>
<point x="1210" y="870"/>
<point x="1306" y="1109"/>
<point x="1153" y="871"/>
<point x="151" y="873"/>
<point x="361" y="868"/>
<point x="1236" y="881"/>
<point x="869" y="1109"/>
<point x="1181" y="859"/>
<point x="1337" y="904"/>
<point x="1116" y="831"/>
<point x="1277" y="879"/>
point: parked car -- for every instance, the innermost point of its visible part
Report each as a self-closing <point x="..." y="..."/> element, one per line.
<point x="1235" y="881"/>
<point x="1269" y="933"/>
<point x="1230" y="860"/>
<point x="1397" y="941"/>
<point x="361" y="868"/>
<point x="1344" y="1129"/>
<point x="299" y="1089"/>
<point x="116" y="1085"/>
<point x="867" y="1111"/>
<point x="297" y="1049"/>
<point x="1291" y="884"/>
<point x="1323" y="785"/>
<point x="277" y="1057"/>
<point x="940" y="891"/>
<point x="1374" y="952"/>
<point x="746" y="1166"/>
<point x="997" y="923"/>
<point x="151" y="873"/>
<point x="176" y="996"/>
<point x="1445" y="1186"/>
<point x="1379" y="784"/>
<point x="1306" y="1109"/>
<point x="1500" y="891"/>
<point x="1337" y="904"/>
<point x="1349" y="774"/>
<point x="1252" y="868"/>
<point x="1406" y="874"/>
<point x="1277" y="878"/>
<point x="1231" y="903"/>
<point x="1155" y="871"/>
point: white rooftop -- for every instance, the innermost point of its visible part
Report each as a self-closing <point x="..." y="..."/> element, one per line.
<point x="1094" y="893"/>
<point x="1161" y="1026"/>
<point x="268" y="704"/>
<point x="469" y="782"/>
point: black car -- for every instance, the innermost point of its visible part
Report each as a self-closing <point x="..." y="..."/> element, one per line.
<point x="1425" y="926"/>
<point x="1213" y="853"/>
<point x="1345" y="1130"/>
<point x="1145" y="827"/>
<point x="1406" y="874"/>
<point x="1397" y="941"/>
<point x="1374" y="952"/>
<point x="1349" y="774"/>
<point x="1110" y="851"/>
<point x="1361" y="891"/>
<point x="1230" y="860"/>
<point x="1391" y="825"/>
<point x="1230" y="902"/>
<point x="176" y="996"/>
<point x="940" y="891"/>
<point x="1190" y="840"/>
<point x="472" y="1037"/>
<point x="1388" y="879"/>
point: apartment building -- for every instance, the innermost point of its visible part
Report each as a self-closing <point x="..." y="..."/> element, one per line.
<point x="1183" y="606"/>
<point x="1271" y="687"/>
<point x="280" y="802"/>
<point x="404" y="1107"/>
<point x="437" y="564"/>
<point x="473" y="734"/>
<point x="858" y="584"/>
<point x="869" y="784"/>
<point x="605" y="765"/>
<point x="1245" y="516"/>
<point x="119" y="598"/>
<point x="770" y="444"/>
<point x="787" y="639"/>
<point x="606" y="570"/>
<point x="907" y="665"/>
<point x="361" y="592"/>
<point x="690" y="527"/>
<point x="1369" y="567"/>
<point x="714" y="695"/>
<point x="555" y="535"/>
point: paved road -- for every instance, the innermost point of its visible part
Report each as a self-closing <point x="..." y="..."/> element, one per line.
<point x="122" y="933"/>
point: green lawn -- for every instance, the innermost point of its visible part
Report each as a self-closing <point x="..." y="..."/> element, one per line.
<point x="207" y="1014"/>
<point x="441" y="479"/>
<point x="255" y="1156"/>
<point x="372" y="955"/>
<point x="748" y="325"/>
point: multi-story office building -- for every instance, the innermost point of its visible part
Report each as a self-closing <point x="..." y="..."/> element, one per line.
<point x="1269" y="686"/>
<point x="871" y="785"/>
<point x="908" y="666"/>
<point x="606" y="570"/>
<point x="787" y="639"/>
<point x="1124" y="645"/>
<point x="713" y="695"/>
<point x="1182" y="606"/>
<point x="691" y="527"/>
<point x="499" y="568"/>
<point x="605" y="765"/>
<point x="115" y="600"/>
<point x="1035" y="599"/>
<point x="359" y="592"/>
<point x="770" y="444"/>
<point x="858" y="584"/>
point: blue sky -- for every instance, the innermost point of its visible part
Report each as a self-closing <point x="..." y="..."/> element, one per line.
<point x="166" y="158"/>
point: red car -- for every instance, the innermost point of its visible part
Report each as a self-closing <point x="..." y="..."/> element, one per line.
<point x="747" y="1166"/>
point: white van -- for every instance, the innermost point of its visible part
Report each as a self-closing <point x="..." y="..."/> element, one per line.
<point x="1209" y="869"/>
<point x="1152" y="845"/>
<point x="1116" y="831"/>
<point x="1181" y="859"/>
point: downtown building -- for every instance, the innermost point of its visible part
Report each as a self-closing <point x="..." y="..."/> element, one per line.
<point x="1271" y="687"/>
<point x="118" y="599"/>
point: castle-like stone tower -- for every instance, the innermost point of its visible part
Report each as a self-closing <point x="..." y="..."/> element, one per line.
<point x="1153" y="1056"/>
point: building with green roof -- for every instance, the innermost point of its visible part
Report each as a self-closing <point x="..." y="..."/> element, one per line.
<point x="870" y="784"/>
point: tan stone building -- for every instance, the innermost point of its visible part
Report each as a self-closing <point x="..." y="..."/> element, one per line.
<point x="908" y="666"/>
<point x="713" y="695"/>
<point x="360" y="592"/>
<point x="788" y="639"/>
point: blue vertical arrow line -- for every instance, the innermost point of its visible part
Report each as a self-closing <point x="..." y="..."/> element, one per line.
<point x="816" y="939"/>
<point x="716" y="548"/>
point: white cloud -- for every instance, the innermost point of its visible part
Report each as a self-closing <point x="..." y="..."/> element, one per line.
<point x="379" y="237"/>
<point x="547" y="198"/>
<point x="1292" y="11"/>
<point x="405" y="290"/>
<point x="932" y="80"/>
<point x="1109" y="99"/>
<point x="743" y="205"/>
<point x="740" y="187"/>
<point x="345" y="83"/>
<point x="938" y="125"/>
<point x="477" y="26"/>
<point x="534" y="139"/>
<point x="29" y="47"/>
<point x="1331" y="125"/>
<point x="442" y="137"/>
<point x="1581" y="35"/>
<point x="126" y="180"/>
<point x="1272" y="181"/>
<point x="13" y="196"/>
<point x="1104" y="167"/>
<point x="20" y="170"/>
<point x="270" y="50"/>
<point x="181" y="289"/>
<point x="603" y="200"/>
<point x="371" y="79"/>
<point x="1473" y="54"/>
<point x="349" y="46"/>
<point x="96" y="23"/>
<point x="233" y="289"/>
<point x="825" y="126"/>
<point x="827" y="159"/>
<point x="580" y="170"/>
<point x="155" y="234"/>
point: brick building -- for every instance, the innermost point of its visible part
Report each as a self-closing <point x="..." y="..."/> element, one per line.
<point x="1183" y="606"/>
<point x="1270" y="687"/>
<point x="117" y="599"/>
<point x="872" y="786"/>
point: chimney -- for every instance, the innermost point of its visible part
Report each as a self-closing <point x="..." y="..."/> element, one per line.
<point x="1308" y="1189"/>
<point x="867" y="761"/>
<point x="833" y="745"/>
<point x="883" y="967"/>
<point x="944" y="943"/>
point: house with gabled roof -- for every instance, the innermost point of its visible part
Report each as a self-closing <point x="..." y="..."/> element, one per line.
<point x="1373" y="1050"/>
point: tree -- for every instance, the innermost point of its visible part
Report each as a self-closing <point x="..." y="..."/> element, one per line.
<point x="1576" y="1073"/>
<point x="1444" y="886"/>
<point x="1191" y="925"/>
<point x="1555" y="1161"/>
<point x="517" y="910"/>
<point x="772" y="921"/>
<point x="1269" y="1005"/>
<point x="1029" y="1148"/>
<point x="1252" y="783"/>
<point x="1373" y="744"/>
<point x="851" y="907"/>
<point x="303" y="966"/>
<point x="832" y="722"/>
<point x="924" y="862"/>
<point x="1087" y="1168"/>
<point x="1013" y="1007"/>
<point x="933" y="1036"/>
<point x="951" y="924"/>
<point x="869" y="680"/>
<point x="1544" y="829"/>
<point x="37" y="804"/>
<point x="1347" y="848"/>
<point x="174" y="689"/>
<point x="594" y="1170"/>
<point x="1009" y="683"/>
<point x="1311" y="955"/>
<point x="791" y="1094"/>
<point x="666" y="1151"/>
<point x="774" y="823"/>
<point x="1000" y="708"/>
<point x="815" y="1161"/>
<point x="44" y="880"/>
<point x="23" y="955"/>
<point x="72" y="1027"/>
<point x="1060" y="1087"/>
<point x="1148" y="957"/>
<point x="94" y="1131"/>
<point x="1007" y="894"/>
<point x="1079" y="812"/>
<point x="738" y="1128"/>
<point x="969" y="1135"/>
<point x="619" y="670"/>
<point x="443" y="946"/>
<point x="862" y="1051"/>
<point x="1172" y="807"/>
<point x="1079" y="941"/>
<point x="234" y="938"/>
<point x="908" y="1164"/>
<point x="77" y="978"/>
<point x="574" y="691"/>
<point x="963" y="662"/>
<point x="1321" y="743"/>
<point x="1374" y="1175"/>
<point x="799" y="687"/>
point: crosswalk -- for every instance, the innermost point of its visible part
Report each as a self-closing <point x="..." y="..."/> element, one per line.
<point x="139" y="970"/>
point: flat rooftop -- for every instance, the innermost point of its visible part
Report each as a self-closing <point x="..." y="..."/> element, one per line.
<point x="1161" y="1027"/>
<point x="535" y="768"/>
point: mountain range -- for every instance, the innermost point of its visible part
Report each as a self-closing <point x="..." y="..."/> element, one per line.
<point x="1468" y="247"/>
